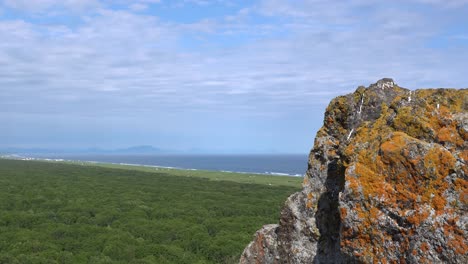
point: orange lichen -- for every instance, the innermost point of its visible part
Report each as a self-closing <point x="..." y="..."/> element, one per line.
<point x="310" y="202"/>
<point x="331" y="152"/>
<point x="461" y="185"/>
<point x="418" y="217"/>
<point x="390" y="164"/>
<point x="438" y="163"/>
<point x="457" y="241"/>
<point x="464" y="155"/>
<point x="424" y="246"/>
<point x="450" y="135"/>
<point x="390" y="146"/>
<point x="353" y="183"/>
<point x="407" y="184"/>
<point x="343" y="213"/>
<point x="259" y="245"/>
<point x="458" y="245"/>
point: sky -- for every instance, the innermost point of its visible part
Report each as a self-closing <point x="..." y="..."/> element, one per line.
<point x="217" y="76"/>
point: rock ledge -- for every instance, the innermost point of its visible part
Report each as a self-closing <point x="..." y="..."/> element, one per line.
<point x="387" y="182"/>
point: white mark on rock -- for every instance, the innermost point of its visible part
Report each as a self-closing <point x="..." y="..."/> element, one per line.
<point x="409" y="98"/>
<point x="360" y="106"/>
<point x="350" y="133"/>
<point x="438" y="106"/>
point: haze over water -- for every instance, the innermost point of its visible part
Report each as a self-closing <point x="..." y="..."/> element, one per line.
<point x="290" y="164"/>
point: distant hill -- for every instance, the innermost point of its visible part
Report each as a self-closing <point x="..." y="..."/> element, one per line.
<point x="144" y="149"/>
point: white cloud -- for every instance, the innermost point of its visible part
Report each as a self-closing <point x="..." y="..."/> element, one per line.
<point x="444" y="3"/>
<point x="268" y="63"/>
<point x="43" y="5"/>
<point x="122" y="62"/>
<point x="138" y="7"/>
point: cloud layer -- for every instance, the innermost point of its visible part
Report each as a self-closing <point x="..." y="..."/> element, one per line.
<point x="268" y="60"/>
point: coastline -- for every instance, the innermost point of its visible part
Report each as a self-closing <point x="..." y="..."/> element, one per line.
<point x="271" y="173"/>
<point x="239" y="177"/>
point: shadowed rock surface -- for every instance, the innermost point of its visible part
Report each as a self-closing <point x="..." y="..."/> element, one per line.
<point x="387" y="182"/>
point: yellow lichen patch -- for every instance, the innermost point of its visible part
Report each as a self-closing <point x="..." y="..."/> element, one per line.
<point x="369" y="136"/>
<point x="309" y="203"/>
<point x="434" y="115"/>
<point x="438" y="163"/>
<point x="411" y="122"/>
<point x="350" y="150"/>
<point x="305" y="181"/>
<point x="453" y="99"/>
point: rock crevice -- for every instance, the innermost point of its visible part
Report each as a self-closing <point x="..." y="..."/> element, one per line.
<point x="387" y="182"/>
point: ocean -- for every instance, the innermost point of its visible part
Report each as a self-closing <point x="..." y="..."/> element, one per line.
<point x="291" y="164"/>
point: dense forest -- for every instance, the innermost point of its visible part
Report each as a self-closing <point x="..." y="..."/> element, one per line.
<point x="63" y="213"/>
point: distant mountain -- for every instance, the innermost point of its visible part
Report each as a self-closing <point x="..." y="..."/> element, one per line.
<point x="144" y="149"/>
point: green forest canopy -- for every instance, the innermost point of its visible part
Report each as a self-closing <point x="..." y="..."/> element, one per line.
<point x="65" y="213"/>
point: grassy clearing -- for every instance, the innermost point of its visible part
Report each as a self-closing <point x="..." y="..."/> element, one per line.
<point x="102" y="213"/>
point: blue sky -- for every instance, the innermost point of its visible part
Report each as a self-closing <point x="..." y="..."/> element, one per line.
<point x="219" y="76"/>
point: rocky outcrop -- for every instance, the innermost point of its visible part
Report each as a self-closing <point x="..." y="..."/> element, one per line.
<point x="387" y="182"/>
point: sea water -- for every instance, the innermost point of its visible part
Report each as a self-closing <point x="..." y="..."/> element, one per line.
<point x="286" y="164"/>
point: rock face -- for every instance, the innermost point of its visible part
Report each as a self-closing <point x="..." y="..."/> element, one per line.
<point x="387" y="182"/>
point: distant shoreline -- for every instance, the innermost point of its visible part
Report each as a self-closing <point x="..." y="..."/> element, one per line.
<point x="134" y="165"/>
